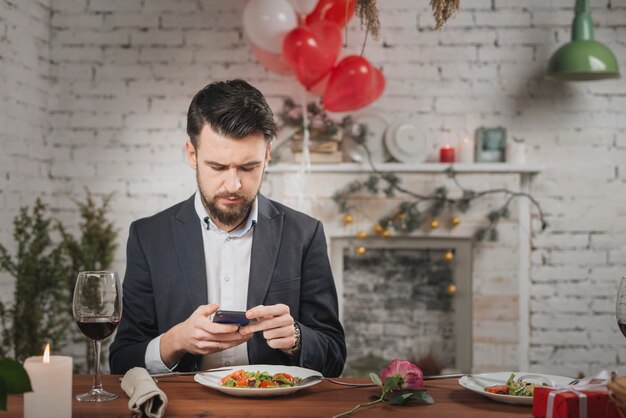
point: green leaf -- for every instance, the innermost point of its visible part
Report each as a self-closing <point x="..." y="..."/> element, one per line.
<point x="392" y="383"/>
<point x="376" y="379"/>
<point x="493" y="215"/>
<point x="13" y="379"/>
<point x="422" y="396"/>
<point x="399" y="398"/>
<point x="14" y="376"/>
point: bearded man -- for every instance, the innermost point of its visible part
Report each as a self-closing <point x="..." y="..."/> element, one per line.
<point x="228" y="247"/>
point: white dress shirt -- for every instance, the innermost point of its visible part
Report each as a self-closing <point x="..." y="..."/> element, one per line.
<point x="227" y="259"/>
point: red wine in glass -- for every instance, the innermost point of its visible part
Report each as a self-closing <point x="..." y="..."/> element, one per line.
<point x="97" y="307"/>
<point x="97" y="328"/>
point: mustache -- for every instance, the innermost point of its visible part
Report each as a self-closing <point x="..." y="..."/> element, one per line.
<point x="237" y="195"/>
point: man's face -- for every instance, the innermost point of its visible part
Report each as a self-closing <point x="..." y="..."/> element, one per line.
<point x="229" y="173"/>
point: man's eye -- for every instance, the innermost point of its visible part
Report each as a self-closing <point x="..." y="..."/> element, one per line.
<point x="247" y="169"/>
<point x="218" y="168"/>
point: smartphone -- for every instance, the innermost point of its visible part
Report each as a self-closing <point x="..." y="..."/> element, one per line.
<point x="232" y="317"/>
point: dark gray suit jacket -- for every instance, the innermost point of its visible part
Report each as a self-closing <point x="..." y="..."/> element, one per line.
<point x="166" y="281"/>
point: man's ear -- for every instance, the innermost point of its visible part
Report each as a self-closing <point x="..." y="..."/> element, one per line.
<point x="192" y="157"/>
<point x="268" y="155"/>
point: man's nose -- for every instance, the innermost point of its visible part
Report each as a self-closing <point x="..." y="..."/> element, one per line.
<point x="233" y="182"/>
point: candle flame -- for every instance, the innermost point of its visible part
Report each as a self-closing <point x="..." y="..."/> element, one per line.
<point x="46" y="354"/>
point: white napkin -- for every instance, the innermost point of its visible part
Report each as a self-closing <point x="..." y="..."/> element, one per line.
<point x="146" y="399"/>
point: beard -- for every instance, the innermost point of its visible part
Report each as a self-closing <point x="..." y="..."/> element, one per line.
<point x="231" y="215"/>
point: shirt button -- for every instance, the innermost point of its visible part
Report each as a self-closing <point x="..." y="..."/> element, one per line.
<point x="227" y="364"/>
<point x="227" y="278"/>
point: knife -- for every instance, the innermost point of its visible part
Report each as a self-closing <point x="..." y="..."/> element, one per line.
<point x="189" y="373"/>
<point x="173" y="374"/>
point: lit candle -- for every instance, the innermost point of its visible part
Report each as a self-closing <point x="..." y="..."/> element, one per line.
<point x="446" y="154"/>
<point x="466" y="150"/>
<point x="51" y="380"/>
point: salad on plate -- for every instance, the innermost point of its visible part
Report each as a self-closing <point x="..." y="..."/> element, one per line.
<point x="258" y="379"/>
<point x="514" y="388"/>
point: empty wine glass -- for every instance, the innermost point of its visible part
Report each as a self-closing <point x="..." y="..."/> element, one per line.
<point x="620" y="306"/>
<point x="97" y="308"/>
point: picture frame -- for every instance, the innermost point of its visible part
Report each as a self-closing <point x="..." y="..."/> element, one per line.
<point x="490" y="145"/>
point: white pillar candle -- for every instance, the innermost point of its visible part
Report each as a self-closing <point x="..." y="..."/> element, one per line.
<point x="465" y="149"/>
<point x="52" y="386"/>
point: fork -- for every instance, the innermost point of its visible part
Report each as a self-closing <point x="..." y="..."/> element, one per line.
<point x="317" y="377"/>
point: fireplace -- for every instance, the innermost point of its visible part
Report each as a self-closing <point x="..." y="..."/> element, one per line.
<point x="395" y="301"/>
<point x="492" y="278"/>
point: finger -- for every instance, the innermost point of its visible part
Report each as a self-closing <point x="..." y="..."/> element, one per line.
<point x="208" y="347"/>
<point x="215" y="328"/>
<point x="265" y="324"/>
<point x="274" y="333"/>
<point x="225" y="345"/>
<point x="285" y="343"/>
<point x="229" y="337"/>
<point x="206" y="310"/>
<point x="263" y="311"/>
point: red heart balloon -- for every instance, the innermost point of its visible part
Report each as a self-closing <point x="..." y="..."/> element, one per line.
<point x="354" y="83"/>
<point x="312" y="50"/>
<point x="338" y="11"/>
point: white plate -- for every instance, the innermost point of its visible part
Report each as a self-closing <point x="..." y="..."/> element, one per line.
<point x="212" y="380"/>
<point x="406" y="142"/>
<point x="376" y="126"/>
<point x="480" y="381"/>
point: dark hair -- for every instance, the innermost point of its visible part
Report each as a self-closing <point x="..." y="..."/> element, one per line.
<point x="232" y="108"/>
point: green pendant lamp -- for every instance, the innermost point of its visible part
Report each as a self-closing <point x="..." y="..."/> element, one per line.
<point x="583" y="58"/>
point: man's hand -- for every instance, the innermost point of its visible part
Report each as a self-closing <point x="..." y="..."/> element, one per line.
<point x="199" y="335"/>
<point x="276" y="323"/>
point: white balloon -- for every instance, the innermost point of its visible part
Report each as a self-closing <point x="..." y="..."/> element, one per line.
<point x="267" y="22"/>
<point x="303" y="7"/>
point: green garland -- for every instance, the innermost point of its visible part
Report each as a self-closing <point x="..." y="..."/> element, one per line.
<point x="412" y="214"/>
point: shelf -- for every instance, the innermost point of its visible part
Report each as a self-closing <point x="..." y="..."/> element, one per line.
<point x="410" y="168"/>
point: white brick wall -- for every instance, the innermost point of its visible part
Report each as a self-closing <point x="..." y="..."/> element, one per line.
<point x="122" y="73"/>
<point x="24" y="92"/>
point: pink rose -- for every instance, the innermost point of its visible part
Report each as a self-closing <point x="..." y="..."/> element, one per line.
<point x="411" y="375"/>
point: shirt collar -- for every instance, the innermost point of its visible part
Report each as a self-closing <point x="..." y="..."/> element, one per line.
<point x="208" y="223"/>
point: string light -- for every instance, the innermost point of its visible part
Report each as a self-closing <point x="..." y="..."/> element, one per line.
<point x="451" y="289"/>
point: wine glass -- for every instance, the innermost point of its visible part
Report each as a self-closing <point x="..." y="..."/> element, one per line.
<point x="620" y="306"/>
<point x="97" y="310"/>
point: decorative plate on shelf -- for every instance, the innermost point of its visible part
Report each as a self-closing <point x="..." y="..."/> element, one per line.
<point x="478" y="382"/>
<point x="406" y="142"/>
<point x="212" y="380"/>
<point x="376" y="125"/>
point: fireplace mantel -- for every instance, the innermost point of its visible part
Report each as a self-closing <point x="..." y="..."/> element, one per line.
<point x="410" y="168"/>
<point x="312" y="193"/>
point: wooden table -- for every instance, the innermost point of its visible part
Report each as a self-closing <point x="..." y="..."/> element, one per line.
<point x="189" y="399"/>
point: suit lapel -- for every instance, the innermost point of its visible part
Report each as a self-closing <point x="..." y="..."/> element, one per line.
<point x="265" y="246"/>
<point x="190" y="252"/>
